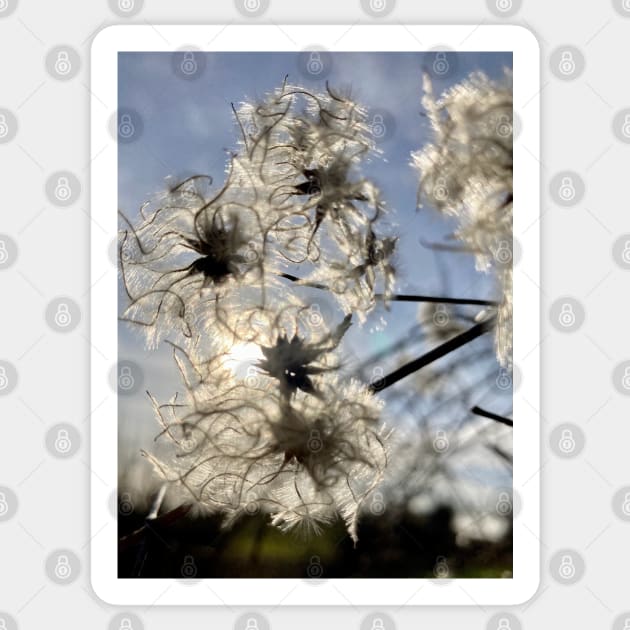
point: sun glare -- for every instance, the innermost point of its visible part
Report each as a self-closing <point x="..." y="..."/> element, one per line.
<point x="242" y="357"/>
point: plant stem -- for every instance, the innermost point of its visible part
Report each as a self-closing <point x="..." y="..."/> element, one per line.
<point x="157" y="504"/>
<point x="433" y="355"/>
<point x="478" y="411"/>
<point x="312" y="285"/>
<point x="163" y="522"/>
<point x="402" y="297"/>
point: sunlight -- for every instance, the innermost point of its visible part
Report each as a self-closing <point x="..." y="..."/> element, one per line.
<point x="243" y="357"/>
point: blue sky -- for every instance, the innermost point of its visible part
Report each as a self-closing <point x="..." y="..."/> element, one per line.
<point x="188" y="124"/>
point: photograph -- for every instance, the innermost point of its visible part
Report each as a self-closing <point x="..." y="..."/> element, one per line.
<point x="315" y="262"/>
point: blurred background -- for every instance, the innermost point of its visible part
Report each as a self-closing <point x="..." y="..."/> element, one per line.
<point x="445" y="509"/>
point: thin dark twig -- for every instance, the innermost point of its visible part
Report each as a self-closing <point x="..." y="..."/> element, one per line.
<point x="433" y="355"/>
<point x="312" y="285"/>
<point x="506" y="457"/>
<point x="478" y="411"/>
<point x="402" y="297"/>
<point x="163" y="521"/>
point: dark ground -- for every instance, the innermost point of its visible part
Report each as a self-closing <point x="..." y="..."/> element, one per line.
<point x="177" y="545"/>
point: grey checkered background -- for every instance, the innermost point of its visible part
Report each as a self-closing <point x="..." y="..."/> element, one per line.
<point x="45" y="287"/>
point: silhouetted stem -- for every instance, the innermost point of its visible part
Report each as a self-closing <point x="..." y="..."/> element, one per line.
<point x="436" y="299"/>
<point x="478" y="411"/>
<point x="402" y="297"/>
<point x="160" y="522"/>
<point x="312" y="285"/>
<point x="433" y="355"/>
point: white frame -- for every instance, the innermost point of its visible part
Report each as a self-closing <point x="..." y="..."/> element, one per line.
<point x="364" y="592"/>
